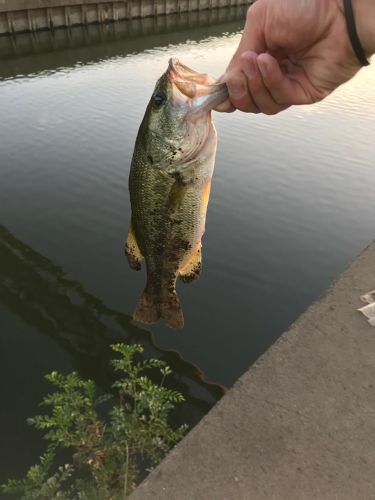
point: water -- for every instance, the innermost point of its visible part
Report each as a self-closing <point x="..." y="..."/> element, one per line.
<point x="291" y="204"/>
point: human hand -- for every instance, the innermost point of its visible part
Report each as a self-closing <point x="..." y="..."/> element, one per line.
<point x="294" y="52"/>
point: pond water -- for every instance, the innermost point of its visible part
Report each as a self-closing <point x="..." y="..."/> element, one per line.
<point x="292" y="203"/>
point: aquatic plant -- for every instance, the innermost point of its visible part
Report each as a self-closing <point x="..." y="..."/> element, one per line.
<point x="108" y="440"/>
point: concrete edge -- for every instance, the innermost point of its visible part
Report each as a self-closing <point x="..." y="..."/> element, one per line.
<point x="303" y="409"/>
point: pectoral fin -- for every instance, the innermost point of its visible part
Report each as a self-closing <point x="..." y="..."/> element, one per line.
<point x="193" y="268"/>
<point x="132" y="251"/>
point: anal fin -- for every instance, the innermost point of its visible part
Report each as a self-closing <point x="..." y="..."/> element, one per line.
<point x="132" y="251"/>
<point x="193" y="268"/>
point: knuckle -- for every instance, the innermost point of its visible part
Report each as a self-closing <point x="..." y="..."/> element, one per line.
<point x="245" y="56"/>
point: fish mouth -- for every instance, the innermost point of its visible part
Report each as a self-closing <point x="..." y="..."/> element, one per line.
<point x="180" y="72"/>
<point x="203" y="91"/>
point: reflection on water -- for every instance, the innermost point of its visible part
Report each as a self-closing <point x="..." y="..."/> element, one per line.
<point x="42" y="295"/>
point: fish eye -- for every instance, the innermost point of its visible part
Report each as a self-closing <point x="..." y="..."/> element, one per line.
<point x="159" y="98"/>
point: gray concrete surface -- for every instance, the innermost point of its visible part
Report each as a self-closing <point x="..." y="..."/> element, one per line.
<point x="300" y="424"/>
<point x="18" y="16"/>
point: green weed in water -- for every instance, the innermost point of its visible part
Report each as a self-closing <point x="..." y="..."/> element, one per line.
<point x="106" y="451"/>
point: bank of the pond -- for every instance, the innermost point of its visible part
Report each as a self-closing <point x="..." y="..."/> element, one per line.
<point x="300" y="423"/>
<point x="18" y="16"/>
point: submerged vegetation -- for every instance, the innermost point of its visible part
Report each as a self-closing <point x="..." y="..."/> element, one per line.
<point x="109" y="439"/>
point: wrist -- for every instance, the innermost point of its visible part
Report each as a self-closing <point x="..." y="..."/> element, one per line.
<point x="364" y="15"/>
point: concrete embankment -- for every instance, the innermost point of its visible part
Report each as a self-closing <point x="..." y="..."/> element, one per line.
<point x="124" y="36"/>
<point x="32" y="15"/>
<point x="300" y="424"/>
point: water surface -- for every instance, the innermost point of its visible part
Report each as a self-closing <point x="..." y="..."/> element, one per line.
<point x="292" y="203"/>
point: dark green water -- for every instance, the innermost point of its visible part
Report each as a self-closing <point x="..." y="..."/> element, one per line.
<point x="292" y="203"/>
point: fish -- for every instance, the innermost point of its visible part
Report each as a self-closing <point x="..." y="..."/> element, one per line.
<point x="169" y="185"/>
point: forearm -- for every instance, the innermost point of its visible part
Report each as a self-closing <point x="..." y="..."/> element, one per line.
<point x="364" y="14"/>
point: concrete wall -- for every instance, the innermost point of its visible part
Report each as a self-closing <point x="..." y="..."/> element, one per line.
<point x="25" y="50"/>
<point x="31" y="15"/>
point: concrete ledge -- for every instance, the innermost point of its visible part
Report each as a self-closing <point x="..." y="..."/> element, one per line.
<point x="300" y="424"/>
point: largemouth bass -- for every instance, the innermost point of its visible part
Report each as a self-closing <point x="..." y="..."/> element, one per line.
<point x="169" y="183"/>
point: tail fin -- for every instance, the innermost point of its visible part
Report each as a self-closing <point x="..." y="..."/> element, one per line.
<point x="147" y="309"/>
<point x="151" y="308"/>
<point x="171" y="311"/>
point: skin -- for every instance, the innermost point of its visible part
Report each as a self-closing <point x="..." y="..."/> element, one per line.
<point x="295" y="52"/>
